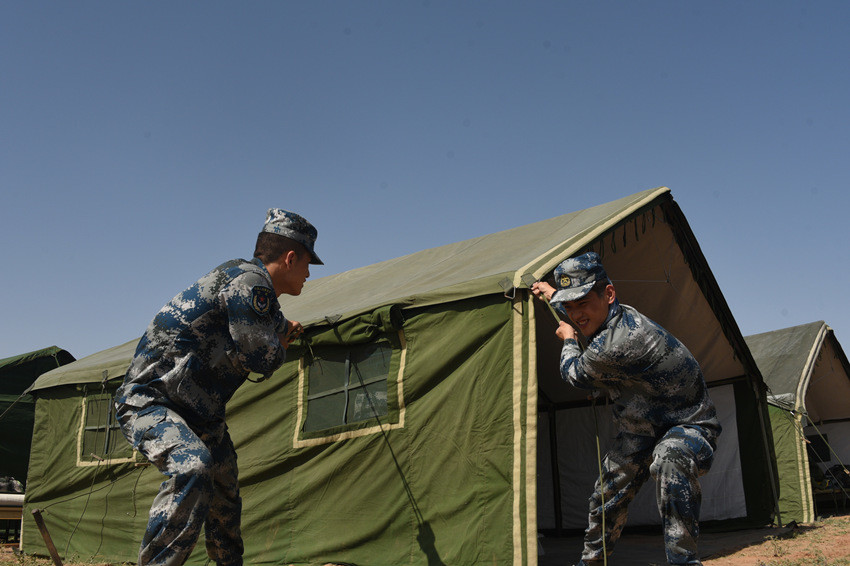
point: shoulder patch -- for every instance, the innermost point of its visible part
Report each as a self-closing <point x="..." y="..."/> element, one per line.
<point x="261" y="300"/>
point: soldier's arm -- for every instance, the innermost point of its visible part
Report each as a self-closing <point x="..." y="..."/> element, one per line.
<point x="292" y="330"/>
<point x="572" y="369"/>
<point x="581" y="369"/>
<point x="254" y="321"/>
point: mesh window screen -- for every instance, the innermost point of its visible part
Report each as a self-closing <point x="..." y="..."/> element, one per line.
<point x="102" y="436"/>
<point x="348" y="386"/>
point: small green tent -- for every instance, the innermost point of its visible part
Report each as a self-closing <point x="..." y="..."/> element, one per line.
<point x="17" y="374"/>
<point x="421" y="420"/>
<point x="808" y="375"/>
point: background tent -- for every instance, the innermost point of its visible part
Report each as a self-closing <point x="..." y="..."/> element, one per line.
<point x="808" y="376"/>
<point x="17" y="374"/>
<point x="421" y="419"/>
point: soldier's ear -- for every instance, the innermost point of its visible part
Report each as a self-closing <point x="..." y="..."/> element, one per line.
<point x="610" y="294"/>
<point x="289" y="258"/>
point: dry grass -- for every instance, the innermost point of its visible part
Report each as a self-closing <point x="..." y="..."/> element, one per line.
<point x="824" y="543"/>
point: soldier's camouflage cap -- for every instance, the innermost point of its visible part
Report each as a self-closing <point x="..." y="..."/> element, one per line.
<point x="574" y="277"/>
<point x="294" y="227"/>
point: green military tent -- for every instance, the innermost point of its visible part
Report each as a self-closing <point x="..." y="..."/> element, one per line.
<point x="421" y="420"/>
<point x="17" y="374"/>
<point x="808" y="376"/>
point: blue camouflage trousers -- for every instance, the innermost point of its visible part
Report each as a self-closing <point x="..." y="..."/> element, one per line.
<point x="675" y="462"/>
<point x="201" y="489"/>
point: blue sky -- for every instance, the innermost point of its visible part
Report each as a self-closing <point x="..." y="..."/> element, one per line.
<point x="142" y="142"/>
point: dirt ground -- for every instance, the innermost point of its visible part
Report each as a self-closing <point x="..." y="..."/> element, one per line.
<point x="824" y="543"/>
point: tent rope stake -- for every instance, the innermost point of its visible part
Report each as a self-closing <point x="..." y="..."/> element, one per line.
<point x="39" y="521"/>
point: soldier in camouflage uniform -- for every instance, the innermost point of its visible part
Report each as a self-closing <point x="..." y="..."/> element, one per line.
<point x="667" y="423"/>
<point x="194" y="355"/>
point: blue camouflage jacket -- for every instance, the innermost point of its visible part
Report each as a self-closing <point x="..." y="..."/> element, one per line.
<point x="201" y="346"/>
<point x="652" y="379"/>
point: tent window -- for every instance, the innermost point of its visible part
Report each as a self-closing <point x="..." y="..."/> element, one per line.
<point x="347" y="386"/>
<point x="101" y="437"/>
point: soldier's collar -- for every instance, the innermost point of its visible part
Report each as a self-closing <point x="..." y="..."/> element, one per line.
<point x="613" y="310"/>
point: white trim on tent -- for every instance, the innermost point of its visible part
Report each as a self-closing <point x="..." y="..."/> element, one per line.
<point x="531" y="436"/>
<point x="517" y="423"/>
<point x="808" y="370"/>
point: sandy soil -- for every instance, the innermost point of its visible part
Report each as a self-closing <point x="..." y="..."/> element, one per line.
<point x="825" y="543"/>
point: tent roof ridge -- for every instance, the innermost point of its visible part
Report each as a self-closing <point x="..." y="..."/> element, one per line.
<point x="423" y="276"/>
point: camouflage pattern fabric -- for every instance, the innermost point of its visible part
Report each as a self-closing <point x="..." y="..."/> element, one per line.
<point x="201" y="346"/>
<point x="667" y="427"/>
<point x="201" y="491"/>
<point x="194" y="355"/>
<point x="295" y="227"/>
<point x="675" y="462"/>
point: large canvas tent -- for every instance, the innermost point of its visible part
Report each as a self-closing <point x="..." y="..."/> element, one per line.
<point x="421" y="420"/>
<point x="17" y="374"/>
<point x="808" y="376"/>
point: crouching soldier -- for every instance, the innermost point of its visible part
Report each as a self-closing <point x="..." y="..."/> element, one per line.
<point x="194" y="355"/>
<point x="667" y="424"/>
